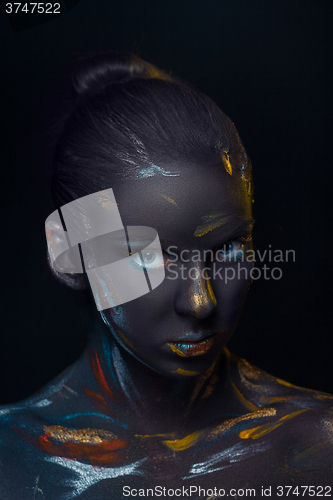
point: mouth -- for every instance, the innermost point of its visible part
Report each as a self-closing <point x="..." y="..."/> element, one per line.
<point x="191" y="346"/>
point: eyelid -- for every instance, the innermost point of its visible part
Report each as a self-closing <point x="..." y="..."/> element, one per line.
<point x="245" y="238"/>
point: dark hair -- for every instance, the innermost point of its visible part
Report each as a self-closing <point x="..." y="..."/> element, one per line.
<point x="129" y="115"/>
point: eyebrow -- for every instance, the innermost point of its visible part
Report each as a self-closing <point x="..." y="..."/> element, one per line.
<point x="218" y="220"/>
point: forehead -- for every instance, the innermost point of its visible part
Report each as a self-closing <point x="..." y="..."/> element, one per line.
<point x="189" y="205"/>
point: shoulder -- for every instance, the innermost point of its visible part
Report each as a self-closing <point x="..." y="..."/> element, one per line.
<point x="264" y="389"/>
<point x="300" y="425"/>
<point x="22" y="430"/>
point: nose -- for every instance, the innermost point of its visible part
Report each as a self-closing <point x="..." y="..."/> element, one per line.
<point x="195" y="295"/>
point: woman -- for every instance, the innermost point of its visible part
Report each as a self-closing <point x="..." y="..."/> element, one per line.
<point x="156" y="405"/>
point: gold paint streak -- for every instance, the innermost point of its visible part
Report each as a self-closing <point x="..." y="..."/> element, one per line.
<point x="205" y="295"/>
<point x="122" y="336"/>
<point x="184" y="443"/>
<point x="262" y="430"/>
<point x="243" y="400"/>
<point x="170" y="200"/>
<point x="226" y="162"/>
<point x="177" y="351"/>
<point x="251" y="376"/>
<point x="210" y="226"/>
<point x="225" y="426"/>
<point x="89" y="436"/>
<point x="180" y="371"/>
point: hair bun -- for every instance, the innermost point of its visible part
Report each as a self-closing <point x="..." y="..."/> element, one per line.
<point x="95" y="72"/>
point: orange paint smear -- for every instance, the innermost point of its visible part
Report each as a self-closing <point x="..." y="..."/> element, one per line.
<point x="269" y="400"/>
<point x="100" y="402"/>
<point x="100" y="454"/>
<point x="104" y="454"/>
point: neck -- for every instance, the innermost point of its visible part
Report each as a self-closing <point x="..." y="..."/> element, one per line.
<point x="125" y="386"/>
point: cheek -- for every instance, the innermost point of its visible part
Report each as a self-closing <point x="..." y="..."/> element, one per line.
<point x="231" y="290"/>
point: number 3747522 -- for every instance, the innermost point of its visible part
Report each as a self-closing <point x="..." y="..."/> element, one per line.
<point x="32" y="8"/>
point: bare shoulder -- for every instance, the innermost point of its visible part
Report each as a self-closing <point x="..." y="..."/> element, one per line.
<point x="22" y="459"/>
<point x="298" y="421"/>
<point x="264" y="389"/>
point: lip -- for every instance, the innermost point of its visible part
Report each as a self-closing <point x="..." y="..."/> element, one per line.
<point x="193" y="336"/>
<point x="189" y="347"/>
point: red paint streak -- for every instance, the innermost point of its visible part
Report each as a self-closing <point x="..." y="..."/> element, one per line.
<point x="99" y="375"/>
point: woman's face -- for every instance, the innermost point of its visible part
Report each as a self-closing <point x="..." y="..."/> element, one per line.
<point x="203" y="218"/>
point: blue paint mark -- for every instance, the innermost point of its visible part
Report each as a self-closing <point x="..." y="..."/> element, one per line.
<point x="90" y="414"/>
<point x="108" y="357"/>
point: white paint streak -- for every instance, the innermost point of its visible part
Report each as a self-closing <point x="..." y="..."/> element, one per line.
<point x="119" y="317"/>
<point x="227" y="457"/>
<point x="70" y="390"/>
<point x="153" y="170"/>
<point x="87" y="475"/>
<point x="29" y="404"/>
<point x="126" y="383"/>
<point x="42" y="403"/>
<point x="37" y="489"/>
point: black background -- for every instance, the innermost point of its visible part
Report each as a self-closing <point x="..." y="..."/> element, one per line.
<point x="267" y="64"/>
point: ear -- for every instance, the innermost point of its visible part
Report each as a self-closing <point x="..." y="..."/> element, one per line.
<point x="60" y="258"/>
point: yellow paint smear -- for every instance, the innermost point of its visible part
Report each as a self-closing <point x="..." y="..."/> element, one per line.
<point x="177" y="351"/>
<point x="243" y="400"/>
<point x="262" y="430"/>
<point x="287" y="384"/>
<point x="225" y="426"/>
<point x="88" y="436"/>
<point x="180" y="371"/>
<point x="226" y="162"/>
<point x="184" y="443"/>
<point x="211" y="225"/>
<point x="170" y="200"/>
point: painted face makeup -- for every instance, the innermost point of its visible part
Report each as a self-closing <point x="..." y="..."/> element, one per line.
<point x="180" y="328"/>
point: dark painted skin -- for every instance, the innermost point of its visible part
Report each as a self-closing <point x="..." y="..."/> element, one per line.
<point x="129" y="413"/>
